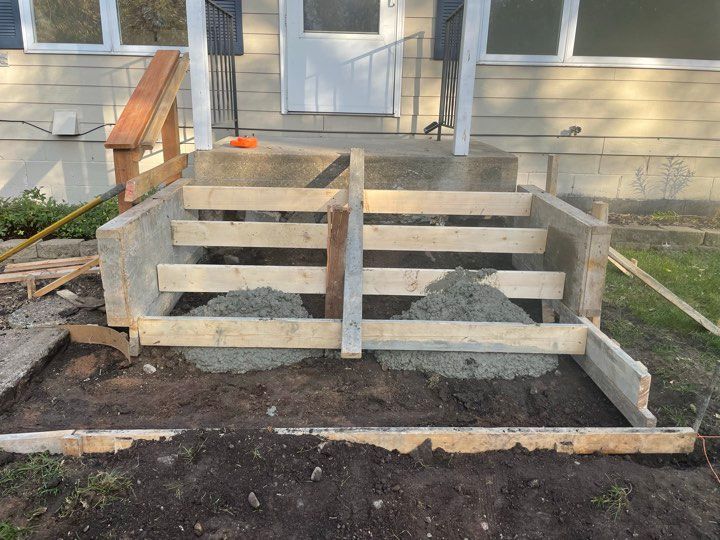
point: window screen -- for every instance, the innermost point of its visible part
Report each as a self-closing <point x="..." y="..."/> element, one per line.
<point x="688" y="29"/>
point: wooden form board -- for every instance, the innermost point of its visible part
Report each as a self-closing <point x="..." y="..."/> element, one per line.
<point x="625" y="381"/>
<point x="375" y="201"/>
<point x="405" y="440"/>
<point x="375" y="237"/>
<point x="351" y="343"/>
<point x="165" y="173"/>
<point x="376" y="334"/>
<point x="376" y="281"/>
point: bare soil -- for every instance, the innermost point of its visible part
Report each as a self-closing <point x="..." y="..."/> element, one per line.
<point x="198" y="485"/>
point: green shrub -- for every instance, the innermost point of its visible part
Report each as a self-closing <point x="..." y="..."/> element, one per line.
<point x="31" y="212"/>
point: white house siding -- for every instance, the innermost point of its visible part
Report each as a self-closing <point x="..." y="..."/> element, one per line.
<point x="630" y="118"/>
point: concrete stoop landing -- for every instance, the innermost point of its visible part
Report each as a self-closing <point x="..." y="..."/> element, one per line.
<point x="390" y="163"/>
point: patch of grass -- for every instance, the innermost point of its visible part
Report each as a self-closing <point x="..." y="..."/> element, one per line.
<point x="624" y="331"/>
<point x="100" y="489"/>
<point x="41" y="472"/>
<point x="665" y="217"/>
<point x="677" y="416"/>
<point x="192" y="453"/>
<point x="8" y="531"/>
<point x="615" y="500"/>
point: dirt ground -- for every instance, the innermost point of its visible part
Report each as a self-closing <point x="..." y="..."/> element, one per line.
<point x="198" y="485"/>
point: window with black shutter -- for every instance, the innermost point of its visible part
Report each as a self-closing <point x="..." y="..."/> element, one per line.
<point x="443" y="11"/>
<point x="234" y="7"/>
<point x="10" y="33"/>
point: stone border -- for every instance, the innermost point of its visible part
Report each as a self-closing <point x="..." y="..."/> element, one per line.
<point x="664" y="236"/>
<point x="56" y="248"/>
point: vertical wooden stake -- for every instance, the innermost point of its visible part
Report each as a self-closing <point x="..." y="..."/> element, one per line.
<point x="552" y="174"/>
<point x="127" y="167"/>
<point x="170" y="134"/>
<point x="601" y="211"/>
<point x="30" y="282"/>
<point x="337" y="218"/>
<point x="351" y="346"/>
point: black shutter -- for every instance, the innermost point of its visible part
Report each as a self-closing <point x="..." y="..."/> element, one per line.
<point x="444" y="10"/>
<point x="234" y="7"/>
<point x="10" y="34"/>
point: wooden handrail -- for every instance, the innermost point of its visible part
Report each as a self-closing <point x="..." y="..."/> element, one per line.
<point x="150" y="113"/>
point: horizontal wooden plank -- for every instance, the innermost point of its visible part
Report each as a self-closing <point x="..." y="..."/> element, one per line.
<point x="473" y="337"/>
<point x="152" y="178"/>
<point x="376" y="281"/>
<point x="613" y="440"/>
<point x="376" y="201"/>
<point x="240" y="332"/>
<point x="377" y="334"/>
<point x="375" y="237"/>
<point x="50" y="273"/>
<point x="48" y="263"/>
<point x="478" y="439"/>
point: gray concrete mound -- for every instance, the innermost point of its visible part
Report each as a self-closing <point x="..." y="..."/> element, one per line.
<point x="460" y="297"/>
<point x="263" y="302"/>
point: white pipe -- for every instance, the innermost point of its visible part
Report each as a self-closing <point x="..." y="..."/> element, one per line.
<point x="466" y="76"/>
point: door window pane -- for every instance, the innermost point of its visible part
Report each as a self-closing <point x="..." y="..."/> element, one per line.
<point x="528" y="27"/>
<point x="67" y="21"/>
<point x="152" y="22"/>
<point x="687" y="29"/>
<point x="351" y="16"/>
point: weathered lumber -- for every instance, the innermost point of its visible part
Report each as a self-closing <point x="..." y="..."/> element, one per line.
<point x="376" y="201"/>
<point x="337" y="217"/>
<point x="623" y="380"/>
<point x="351" y="343"/>
<point x="49" y="263"/>
<point x="551" y="180"/>
<point x="403" y="439"/>
<point x="59" y="282"/>
<point x="184" y="331"/>
<point x="166" y="173"/>
<point x="577" y="244"/>
<point x="50" y="273"/>
<point x="166" y="105"/>
<point x="601" y="211"/>
<point x="478" y="439"/>
<point x="374" y="237"/>
<point x="376" y="281"/>
<point x="663" y="291"/>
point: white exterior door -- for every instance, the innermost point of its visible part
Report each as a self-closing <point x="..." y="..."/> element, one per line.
<point x="341" y="56"/>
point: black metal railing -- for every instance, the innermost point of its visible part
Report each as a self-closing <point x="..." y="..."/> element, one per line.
<point x="450" y="67"/>
<point x="221" y="50"/>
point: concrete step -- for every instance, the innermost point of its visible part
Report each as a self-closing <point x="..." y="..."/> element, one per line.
<point x="422" y="164"/>
<point x="23" y="353"/>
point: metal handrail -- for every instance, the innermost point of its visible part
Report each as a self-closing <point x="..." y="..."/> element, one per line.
<point x="221" y="50"/>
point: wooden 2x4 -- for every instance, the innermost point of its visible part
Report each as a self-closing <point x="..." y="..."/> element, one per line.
<point x="376" y="201"/>
<point x="375" y="237"/>
<point x="376" y="281"/>
<point x="376" y="334"/>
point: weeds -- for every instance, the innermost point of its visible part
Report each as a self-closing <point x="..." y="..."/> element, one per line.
<point x="42" y="470"/>
<point x="615" y="500"/>
<point x="8" y="531"/>
<point x="100" y="489"/>
<point x="678" y="416"/>
<point x="624" y="331"/>
<point x="192" y="453"/>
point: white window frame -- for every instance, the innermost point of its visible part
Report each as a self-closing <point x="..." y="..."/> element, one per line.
<point x="110" y="23"/>
<point x="566" y="57"/>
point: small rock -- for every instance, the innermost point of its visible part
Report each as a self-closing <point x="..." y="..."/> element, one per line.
<point x="316" y="475"/>
<point x="168" y="460"/>
<point x="198" y="529"/>
<point x="484" y="525"/>
<point x="534" y="483"/>
<point x="86" y="528"/>
<point x="558" y="372"/>
<point x="378" y="504"/>
<point x="253" y="500"/>
<point x="271" y="411"/>
<point x="149" y="369"/>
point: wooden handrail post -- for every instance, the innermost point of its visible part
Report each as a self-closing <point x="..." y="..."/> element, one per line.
<point x="127" y="166"/>
<point x="170" y="134"/>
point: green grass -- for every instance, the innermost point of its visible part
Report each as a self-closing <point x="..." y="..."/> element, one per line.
<point x="8" y="531"/>
<point x="100" y="489"/>
<point x="615" y="500"/>
<point x="41" y="472"/>
<point x="693" y="275"/>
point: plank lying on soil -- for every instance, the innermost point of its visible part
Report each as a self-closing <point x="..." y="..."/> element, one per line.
<point x="351" y="341"/>
<point x="376" y="281"/>
<point x="50" y="273"/>
<point x="402" y="439"/>
<point x="59" y="282"/>
<point x="375" y="237"/>
<point x="472" y="440"/>
<point x="376" y="334"/>
<point x="49" y="263"/>
<point x="624" y="381"/>
<point x="376" y="201"/>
